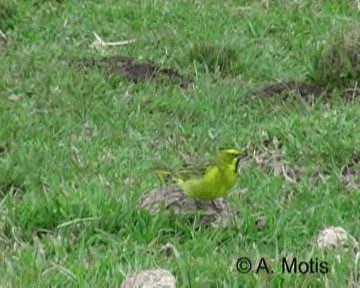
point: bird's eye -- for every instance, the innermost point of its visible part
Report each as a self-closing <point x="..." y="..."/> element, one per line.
<point x="232" y="153"/>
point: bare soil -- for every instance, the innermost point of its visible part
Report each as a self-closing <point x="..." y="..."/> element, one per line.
<point x="134" y="71"/>
<point x="305" y="89"/>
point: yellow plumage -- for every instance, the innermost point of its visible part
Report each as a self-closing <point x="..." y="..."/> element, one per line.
<point x="210" y="183"/>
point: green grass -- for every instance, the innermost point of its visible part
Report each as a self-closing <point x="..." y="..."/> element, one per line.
<point x="75" y="146"/>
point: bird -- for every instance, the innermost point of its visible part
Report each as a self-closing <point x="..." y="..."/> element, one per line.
<point x="206" y="182"/>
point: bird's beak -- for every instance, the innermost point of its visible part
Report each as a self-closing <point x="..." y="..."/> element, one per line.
<point x="237" y="162"/>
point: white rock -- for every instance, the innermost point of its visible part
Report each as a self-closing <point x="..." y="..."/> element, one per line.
<point x="332" y="237"/>
<point x="155" y="278"/>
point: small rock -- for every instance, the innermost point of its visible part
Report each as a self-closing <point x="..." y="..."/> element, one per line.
<point x="169" y="250"/>
<point x="155" y="278"/>
<point x="260" y="224"/>
<point x="332" y="237"/>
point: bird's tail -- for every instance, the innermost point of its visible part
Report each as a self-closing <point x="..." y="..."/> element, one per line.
<point x="167" y="176"/>
<point x="163" y="174"/>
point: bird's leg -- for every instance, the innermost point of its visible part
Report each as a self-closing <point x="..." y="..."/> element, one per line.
<point x="215" y="206"/>
<point x="197" y="204"/>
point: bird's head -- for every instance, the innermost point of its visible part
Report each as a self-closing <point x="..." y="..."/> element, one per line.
<point x="230" y="157"/>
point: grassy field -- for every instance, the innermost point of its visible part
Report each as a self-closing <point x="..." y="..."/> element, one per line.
<point x="75" y="145"/>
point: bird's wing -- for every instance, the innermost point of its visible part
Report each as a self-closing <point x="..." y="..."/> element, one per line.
<point x="188" y="171"/>
<point x="198" y="169"/>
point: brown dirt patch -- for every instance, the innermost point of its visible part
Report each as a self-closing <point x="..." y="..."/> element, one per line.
<point x="352" y="91"/>
<point x="306" y="90"/>
<point x="172" y="198"/>
<point x="134" y="71"/>
<point x="270" y="157"/>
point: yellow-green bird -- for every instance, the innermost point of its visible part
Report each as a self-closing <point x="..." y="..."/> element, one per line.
<point x="208" y="182"/>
